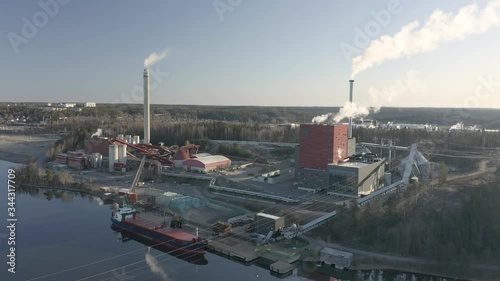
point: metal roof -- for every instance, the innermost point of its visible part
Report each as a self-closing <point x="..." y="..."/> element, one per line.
<point x="210" y="159"/>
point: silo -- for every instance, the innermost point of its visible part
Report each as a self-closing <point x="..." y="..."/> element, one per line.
<point x="99" y="160"/>
<point x="122" y="153"/>
<point x="113" y="156"/>
<point x="93" y="160"/>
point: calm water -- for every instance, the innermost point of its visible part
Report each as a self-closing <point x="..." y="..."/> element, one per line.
<point x="69" y="238"/>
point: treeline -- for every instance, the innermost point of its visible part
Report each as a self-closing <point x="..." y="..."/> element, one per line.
<point x="72" y="140"/>
<point x="436" y="140"/>
<point x="177" y="132"/>
<point x="467" y="233"/>
<point x="32" y="175"/>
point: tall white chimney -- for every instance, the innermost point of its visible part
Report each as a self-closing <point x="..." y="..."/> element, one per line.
<point x="146" y="107"/>
<point x="349" y="133"/>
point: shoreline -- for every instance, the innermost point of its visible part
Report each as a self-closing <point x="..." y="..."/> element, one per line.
<point x="20" y="149"/>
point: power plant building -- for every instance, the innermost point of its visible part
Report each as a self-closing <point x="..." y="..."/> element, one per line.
<point x="321" y="145"/>
<point x="355" y="178"/>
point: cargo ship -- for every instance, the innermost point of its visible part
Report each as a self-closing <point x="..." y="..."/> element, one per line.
<point x="127" y="220"/>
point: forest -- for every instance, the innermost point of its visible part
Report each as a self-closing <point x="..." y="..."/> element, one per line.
<point x="425" y="221"/>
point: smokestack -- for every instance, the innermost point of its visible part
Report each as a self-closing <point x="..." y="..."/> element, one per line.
<point x="349" y="133"/>
<point x="146" y="106"/>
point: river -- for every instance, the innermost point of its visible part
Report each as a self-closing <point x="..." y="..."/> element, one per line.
<point x="68" y="236"/>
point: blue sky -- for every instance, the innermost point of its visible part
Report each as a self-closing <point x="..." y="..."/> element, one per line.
<point x="273" y="53"/>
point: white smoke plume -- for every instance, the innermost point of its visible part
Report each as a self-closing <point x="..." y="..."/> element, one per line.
<point x="411" y="85"/>
<point x="441" y="27"/>
<point x="340" y="151"/>
<point x="98" y="133"/>
<point x="155" y="268"/>
<point x="156" y="57"/>
<point x="321" y="118"/>
<point x="349" y="109"/>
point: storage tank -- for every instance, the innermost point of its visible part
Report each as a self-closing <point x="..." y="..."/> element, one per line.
<point x="387" y="178"/>
<point x="113" y="156"/>
<point x="93" y="160"/>
<point x="136" y="140"/>
<point x="120" y="136"/>
<point x="128" y="138"/>
<point x="99" y="160"/>
<point x="122" y="153"/>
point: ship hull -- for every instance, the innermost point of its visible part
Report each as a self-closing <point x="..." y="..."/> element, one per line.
<point x="160" y="239"/>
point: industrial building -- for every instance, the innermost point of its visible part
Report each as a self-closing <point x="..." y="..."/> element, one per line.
<point x="264" y="223"/>
<point x="321" y="145"/>
<point x="338" y="259"/>
<point x="355" y="178"/>
<point x="206" y="164"/>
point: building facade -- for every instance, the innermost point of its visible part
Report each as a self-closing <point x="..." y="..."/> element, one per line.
<point x="321" y="145"/>
<point x="354" y="179"/>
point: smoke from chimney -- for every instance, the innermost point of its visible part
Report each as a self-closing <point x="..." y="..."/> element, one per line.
<point x="97" y="134"/>
<point x="155" y="57"/>
<point x="349" y="109"/>
<point x="440" y="28"/>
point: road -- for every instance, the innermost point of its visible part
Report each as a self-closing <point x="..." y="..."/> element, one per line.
<point x="318" y="244"/>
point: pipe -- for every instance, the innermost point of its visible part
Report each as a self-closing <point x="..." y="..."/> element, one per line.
<point x="349" y="133"/>
<point x="146" y="107"/>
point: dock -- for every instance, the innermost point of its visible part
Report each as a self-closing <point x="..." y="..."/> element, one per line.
<point x="281" y="267"/>
<point x="232" y="247"/>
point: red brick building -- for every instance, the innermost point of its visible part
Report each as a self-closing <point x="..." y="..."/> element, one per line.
<point x="321" y="145"/>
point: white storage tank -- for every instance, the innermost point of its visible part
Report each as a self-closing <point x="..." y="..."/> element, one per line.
<point x="128" y="138"/>
<point x="99" y="160"/>
<point x="120" y="136"/>
<point x="93" y="160"/>
<point x="113" y="156"/>
<point x="136" y="140"/>
<point x="122" y="153"/>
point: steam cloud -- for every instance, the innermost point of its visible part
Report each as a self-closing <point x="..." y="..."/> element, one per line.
<point x="349" y="109"/>
<point x="98" y="133"/>
<point x="155" y="268"/>
<point x="155" y="57"/>
<point x="440" y="28"/>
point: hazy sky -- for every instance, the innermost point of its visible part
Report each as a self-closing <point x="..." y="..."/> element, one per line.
<point x="238" y="52"/>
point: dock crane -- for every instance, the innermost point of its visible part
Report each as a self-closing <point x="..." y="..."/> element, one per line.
<point x="136" y="180"/>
